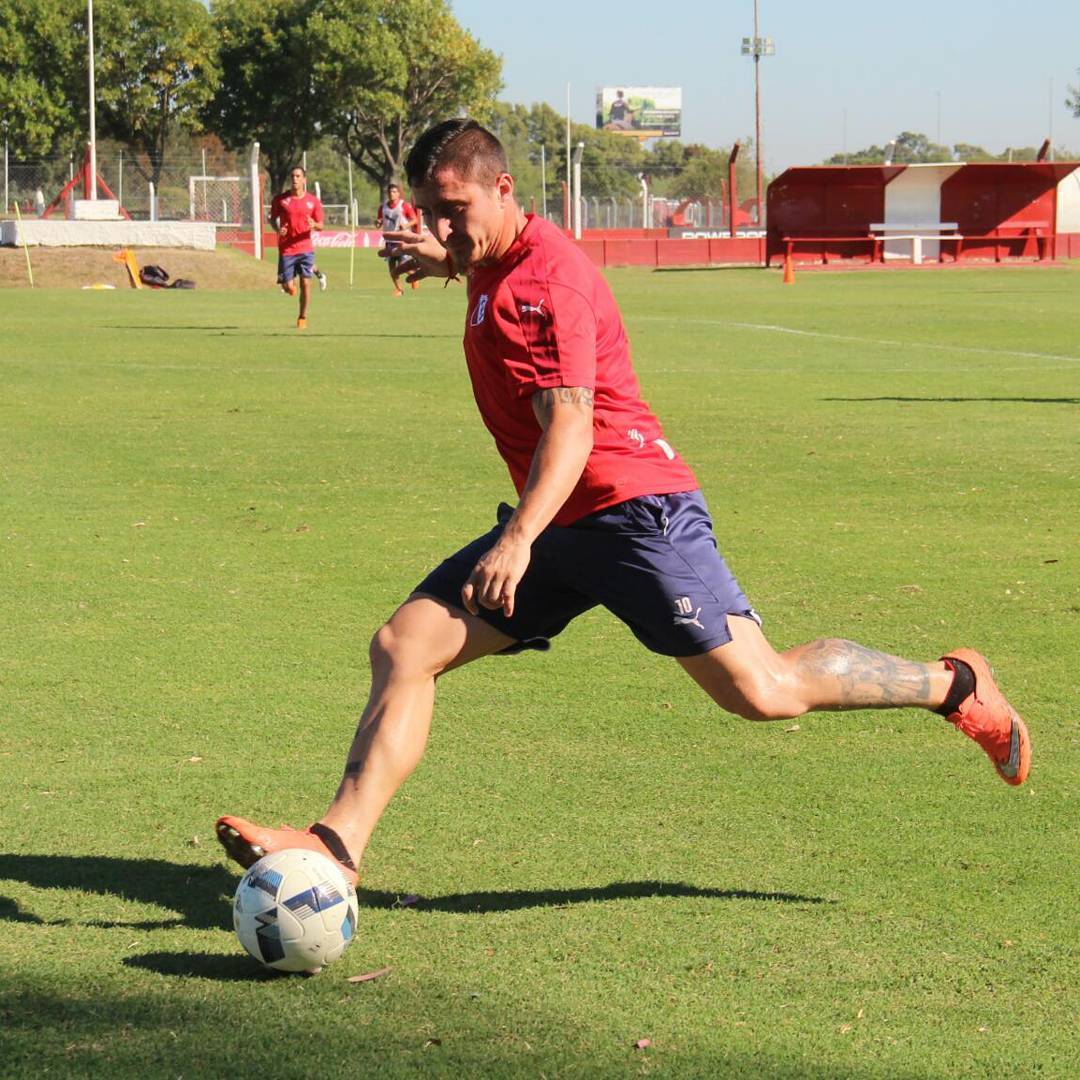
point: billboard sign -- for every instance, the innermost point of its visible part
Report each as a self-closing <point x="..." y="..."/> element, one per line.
<point x="646" y="112"/>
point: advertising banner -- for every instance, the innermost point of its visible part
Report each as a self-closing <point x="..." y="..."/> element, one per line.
<point x="646" y="112"/>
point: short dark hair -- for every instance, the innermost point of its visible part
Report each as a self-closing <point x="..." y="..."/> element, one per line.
<point x="459" y="144"/>
<point x="298" y="168"/>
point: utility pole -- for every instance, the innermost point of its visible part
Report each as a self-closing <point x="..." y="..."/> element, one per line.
<point x="757" y="47"/>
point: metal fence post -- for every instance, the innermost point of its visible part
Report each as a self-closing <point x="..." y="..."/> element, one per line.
<point x="256" y="201"/>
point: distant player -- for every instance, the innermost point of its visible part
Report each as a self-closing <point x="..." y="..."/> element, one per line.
<point x="396" y="215"/>
<point x="296" y="214"/>
<point x="607" y="513"/>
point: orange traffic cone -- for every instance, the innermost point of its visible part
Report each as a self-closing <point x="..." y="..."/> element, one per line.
<point x="789" y="271"/>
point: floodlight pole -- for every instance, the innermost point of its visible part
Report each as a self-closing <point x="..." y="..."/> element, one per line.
<point x="92" y="194"/>
<point x="568" y="180"/>
<point x="757" y="47"/>
<point x="757" y="113"/>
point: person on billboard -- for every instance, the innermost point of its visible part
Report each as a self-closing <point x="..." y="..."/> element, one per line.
<point x="620" y="115"/>
<point x="608" y="514"/>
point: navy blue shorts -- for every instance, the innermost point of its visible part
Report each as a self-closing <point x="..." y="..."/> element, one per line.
<point x="289" y="266"/>
<point x="651" y="561"/>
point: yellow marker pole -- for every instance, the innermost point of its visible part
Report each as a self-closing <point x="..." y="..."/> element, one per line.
<point x="26" y="249"/>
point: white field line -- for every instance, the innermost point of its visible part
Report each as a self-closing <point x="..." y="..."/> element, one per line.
<point x="884" y="342"/>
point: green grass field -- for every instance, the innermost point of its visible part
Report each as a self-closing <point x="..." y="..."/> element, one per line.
<point x="207" y="515"/>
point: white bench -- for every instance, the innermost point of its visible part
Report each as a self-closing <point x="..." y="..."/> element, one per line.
<point x="916" y="232"/>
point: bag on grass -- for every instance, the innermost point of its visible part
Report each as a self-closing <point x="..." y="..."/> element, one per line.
<point x="182" y="283"/>
<point x="154" y="276"/>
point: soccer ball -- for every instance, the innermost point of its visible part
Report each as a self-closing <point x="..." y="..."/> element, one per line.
<point x="295" y="910"/>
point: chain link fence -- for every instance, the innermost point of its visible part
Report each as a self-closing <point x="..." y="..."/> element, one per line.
<point x="218" y="190"/>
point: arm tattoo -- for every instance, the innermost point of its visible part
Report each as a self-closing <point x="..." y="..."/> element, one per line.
<point x="544" y="401"/>
<point x="868" y="679"/>
<point x="570" y="395"/>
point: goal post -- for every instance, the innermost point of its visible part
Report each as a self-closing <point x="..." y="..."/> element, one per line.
<point x="223" y="200"/>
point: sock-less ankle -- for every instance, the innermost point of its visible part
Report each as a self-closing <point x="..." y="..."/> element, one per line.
<point x="963" y="684"/>
<point x="333" y="844"/>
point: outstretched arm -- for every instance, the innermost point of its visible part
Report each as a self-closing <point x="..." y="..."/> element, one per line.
<point x="565" y="413"/>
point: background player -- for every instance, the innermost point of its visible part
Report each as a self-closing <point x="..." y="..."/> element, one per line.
<point x="295" y="214"/>
<point x="608" y="514"/>
<point x="396" y="215"/>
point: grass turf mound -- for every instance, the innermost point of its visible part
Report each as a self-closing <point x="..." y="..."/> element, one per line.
<point x="74" y="267"/>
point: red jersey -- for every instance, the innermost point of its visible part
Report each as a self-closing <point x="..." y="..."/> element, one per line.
<point x="543" y="316"/>
<point x="293" y="212"/>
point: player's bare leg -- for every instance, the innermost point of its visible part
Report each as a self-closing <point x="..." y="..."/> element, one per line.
<point x="751" y="679"/>
<point x="305" y="296"/>
<point x="423" y="639"/>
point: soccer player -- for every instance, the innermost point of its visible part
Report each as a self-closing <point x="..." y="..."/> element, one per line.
<point x="608" y="514"/>
<point x="296" y="214"/>
<point x="396" y="215"/>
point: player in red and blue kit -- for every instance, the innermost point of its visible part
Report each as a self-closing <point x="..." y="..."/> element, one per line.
<point x="608" y="514"/>
<point x="296" y="214"/>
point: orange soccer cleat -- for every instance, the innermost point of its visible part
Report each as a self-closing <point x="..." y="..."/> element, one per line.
<point x="985" y="716"/>
<point x="414" y="284"/>
<point x="301" y="324"/>
<point x="246" y="843"/>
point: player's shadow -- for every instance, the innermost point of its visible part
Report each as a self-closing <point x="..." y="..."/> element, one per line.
<point x="199" y="895"/>
<point x="964" y="400"/>
<point x="196" y="895"/>
<point x="485" y="902"/>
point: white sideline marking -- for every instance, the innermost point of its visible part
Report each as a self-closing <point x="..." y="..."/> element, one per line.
<point x="871" y="341"/>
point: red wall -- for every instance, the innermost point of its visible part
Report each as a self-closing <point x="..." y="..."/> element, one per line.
<point x="983" y="198"/>
<point x="831" y="201"/>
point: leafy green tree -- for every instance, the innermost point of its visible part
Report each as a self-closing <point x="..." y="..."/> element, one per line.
<point x="909" y="147"/>
<point x="912" y="147"/>
<point x="389" y="69"/>
<point x="970" y="152"/>
<point x="268" y="90"/>
<point x="156" y="67"/>
<point x="39" y="50"/>
<point x="1073" y="100"/>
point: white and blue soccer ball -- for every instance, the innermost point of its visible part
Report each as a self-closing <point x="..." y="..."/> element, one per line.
<point x="295" y="910"/>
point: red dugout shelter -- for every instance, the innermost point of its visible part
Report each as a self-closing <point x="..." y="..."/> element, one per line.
<point x="948" y="212"/>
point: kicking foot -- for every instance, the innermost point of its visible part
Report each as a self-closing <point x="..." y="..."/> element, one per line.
<point x="985" y="716"/>
<point x="246" y="843"/>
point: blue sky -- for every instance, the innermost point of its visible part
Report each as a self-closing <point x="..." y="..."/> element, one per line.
<point x="859" y="71"/>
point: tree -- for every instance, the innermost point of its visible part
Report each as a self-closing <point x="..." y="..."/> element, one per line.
<point x="908" y="148"/>
<point x="38" y="51"/>
<point x="156" y="64"/>
<point x="911" y="147"/>
<point x="1073" y="100"/>
<point x="267" y="90"/>
<point x="970" y="152"/>
<point x="389" y="69"/>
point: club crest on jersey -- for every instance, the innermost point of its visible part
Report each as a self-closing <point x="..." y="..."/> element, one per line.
<point x="479" y="311"/>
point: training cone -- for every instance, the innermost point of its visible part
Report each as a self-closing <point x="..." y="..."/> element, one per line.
<point x="789" y="271"/>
